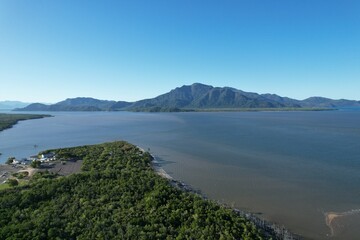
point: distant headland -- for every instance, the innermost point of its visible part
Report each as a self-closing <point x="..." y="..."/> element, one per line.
<point x="8" y="120"/>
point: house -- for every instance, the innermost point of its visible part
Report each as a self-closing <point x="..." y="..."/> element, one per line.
<point x="23" y="161"/>
<point x="15" y="161"/>
<point x="46" y="157"/>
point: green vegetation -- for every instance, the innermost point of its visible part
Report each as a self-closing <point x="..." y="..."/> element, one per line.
<point x="116" y="196"/>
<point x="284" y="109"/>
<point x="8" y="120"/>
<point x="160" y="109"/>
<point x="20" y="175"/>
<point x="4" y="186"/>
<point x="10" y="160"/>
<point x="35" y="164"/>
<point x="44" y="175"/>
<point x="281" y="109"/>
<point x="12" y="182"/>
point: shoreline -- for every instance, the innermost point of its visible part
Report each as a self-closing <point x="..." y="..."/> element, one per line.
<point x="268" y="227"/>
<point x="197" y="110"/>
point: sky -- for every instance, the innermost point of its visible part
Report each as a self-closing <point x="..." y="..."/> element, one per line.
<point x="131" y="50"/>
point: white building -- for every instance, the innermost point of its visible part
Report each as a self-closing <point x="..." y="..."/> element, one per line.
<point x="46" y="157"/>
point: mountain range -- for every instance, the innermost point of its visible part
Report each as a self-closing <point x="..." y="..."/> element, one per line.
<point x="194" y="97"/>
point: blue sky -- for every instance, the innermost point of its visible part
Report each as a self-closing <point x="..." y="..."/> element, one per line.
<point x="130" y="50"/>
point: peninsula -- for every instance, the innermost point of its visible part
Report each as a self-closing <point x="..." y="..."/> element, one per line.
<point x="117" y="195"/>
<point x="8" y="120"/>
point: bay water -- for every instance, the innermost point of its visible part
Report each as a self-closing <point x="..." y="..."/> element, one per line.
<point x="291" y="168"/>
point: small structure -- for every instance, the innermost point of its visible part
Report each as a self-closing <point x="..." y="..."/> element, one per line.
<point x="15" y="161"/>
<point x="23" y="161"/>
<point x="46" y="157"/>
<point x="33" y="158"/>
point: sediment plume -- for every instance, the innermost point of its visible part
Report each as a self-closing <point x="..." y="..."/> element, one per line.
<point x="330" y="218"/>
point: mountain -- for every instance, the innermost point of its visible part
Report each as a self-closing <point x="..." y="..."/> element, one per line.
<point x="9" y="105"/>
<point x="200" y="96"/>
<point x="76" y="104"/>
<point x="82" y="104"/>
<point x="194" y="97"/>
<point x="34" y="107"/>
<point x="282" y="100"/>
<point x="177" y="98"/>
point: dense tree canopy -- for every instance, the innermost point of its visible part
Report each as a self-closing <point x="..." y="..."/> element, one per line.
<point x="116" y="196"/>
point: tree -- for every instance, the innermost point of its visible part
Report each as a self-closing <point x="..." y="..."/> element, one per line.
<point x="35" y="164"/>
<point x="10" y="160"/>
<point x="12" y="182"/>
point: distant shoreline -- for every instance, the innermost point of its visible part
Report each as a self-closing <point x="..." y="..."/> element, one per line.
<point x="172" y="110"/>
<point x="264" y="109"/>
<point x="8" y="120"/>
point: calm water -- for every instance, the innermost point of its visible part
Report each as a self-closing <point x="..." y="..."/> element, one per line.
<point x="290" y="167"/>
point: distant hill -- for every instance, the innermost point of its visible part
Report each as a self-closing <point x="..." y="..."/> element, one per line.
<point x="9" y="105"/>
<point x="194" y="97"/>
<point x="327" y="102"/>
<point x="76" y="104"/>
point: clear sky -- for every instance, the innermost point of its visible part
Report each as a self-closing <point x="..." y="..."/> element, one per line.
<point x="130" y="50"/>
